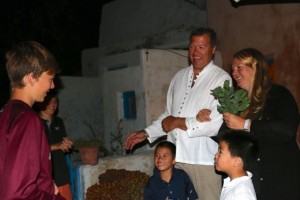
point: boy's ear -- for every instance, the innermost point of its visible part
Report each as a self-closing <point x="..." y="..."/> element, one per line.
<point x="174" y="162"/>
<point x="29" y="78"/>
<point x="238" y="162"/>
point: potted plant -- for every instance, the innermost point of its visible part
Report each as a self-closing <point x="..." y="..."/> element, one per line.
<point x="88" y="149"/>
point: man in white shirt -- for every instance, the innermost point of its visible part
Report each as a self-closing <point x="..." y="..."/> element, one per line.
<point x="188" y="93"/>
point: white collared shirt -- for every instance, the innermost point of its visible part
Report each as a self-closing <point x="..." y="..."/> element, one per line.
<point x="193" y="146"/>
<point x="238" y="189"/>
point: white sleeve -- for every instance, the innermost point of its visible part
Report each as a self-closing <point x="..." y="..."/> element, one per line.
<point x="211" y="128"/>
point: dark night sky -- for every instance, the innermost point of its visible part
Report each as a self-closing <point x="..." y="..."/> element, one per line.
<point x="65" y="27"/>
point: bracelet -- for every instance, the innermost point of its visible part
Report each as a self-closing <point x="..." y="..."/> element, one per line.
<point x="246" y="125"/>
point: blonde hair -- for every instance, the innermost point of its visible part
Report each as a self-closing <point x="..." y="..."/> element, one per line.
<point x="260" y="81"/>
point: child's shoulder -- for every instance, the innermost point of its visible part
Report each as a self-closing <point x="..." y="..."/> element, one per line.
<point x="20" y="107"/>
<point x="179" y="172"/>
<point x="16" y="107"/>
<point x="16" y="113"/>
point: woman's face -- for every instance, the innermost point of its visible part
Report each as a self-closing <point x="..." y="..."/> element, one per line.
<point x="242" y="74"/>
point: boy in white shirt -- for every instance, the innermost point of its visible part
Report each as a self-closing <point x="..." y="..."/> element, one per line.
<point x="237" y="151"/>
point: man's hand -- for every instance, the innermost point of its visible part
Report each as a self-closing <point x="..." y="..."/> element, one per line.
<point x="234" y="122"/>
<point x="135" y="138"/>
<point x="170" y="123"/>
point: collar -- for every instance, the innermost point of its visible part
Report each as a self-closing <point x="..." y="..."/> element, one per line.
<point x="230" y="183"/>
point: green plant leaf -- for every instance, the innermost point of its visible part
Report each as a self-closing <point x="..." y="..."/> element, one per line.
<point x="230" y="100"/>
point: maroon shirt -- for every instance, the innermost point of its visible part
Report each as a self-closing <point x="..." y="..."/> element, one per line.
<point x="25" y="162"/>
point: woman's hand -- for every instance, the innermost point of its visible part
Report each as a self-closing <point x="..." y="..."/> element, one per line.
<point x="234" y="122"/>
<point x="203" y="115"/>
<point x="65" y="145"/>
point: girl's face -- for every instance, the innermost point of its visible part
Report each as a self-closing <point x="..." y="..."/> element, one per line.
<point x="164" y="159"/>
<point x="223" y="158"/>
<point x="51" y="107"/>
<point x="242" y="74"/>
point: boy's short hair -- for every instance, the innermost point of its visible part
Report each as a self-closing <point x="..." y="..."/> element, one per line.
<point x="168" y="145"/>
<point x="241" y="144"/>
<point x="29" y="57"/>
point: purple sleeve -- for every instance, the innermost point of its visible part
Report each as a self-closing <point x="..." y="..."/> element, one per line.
<point x="28" y="171"/>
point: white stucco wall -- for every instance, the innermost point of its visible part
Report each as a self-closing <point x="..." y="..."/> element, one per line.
<point x="80" y="105"/>
<point x="135" y="24"/>
<point x="159" y="68"/>
<point x="148" y="72"/>
<point x="126" y="28"/>
<point x="114" y="83"/>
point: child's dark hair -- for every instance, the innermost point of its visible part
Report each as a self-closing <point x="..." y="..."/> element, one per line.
<point x="41" y="106"/>
<point x="168" y="145"/>
<point x="242" y="145"/>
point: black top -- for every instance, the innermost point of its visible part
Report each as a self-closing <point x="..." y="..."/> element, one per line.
<point x="276" y="174"/>
<point x="55" y="133"/>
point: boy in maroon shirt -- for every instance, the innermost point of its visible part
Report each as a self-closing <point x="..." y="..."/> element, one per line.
<point x="25" y="161"/>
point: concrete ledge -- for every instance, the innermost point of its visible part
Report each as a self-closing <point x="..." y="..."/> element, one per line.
<point x="89" y="173"/>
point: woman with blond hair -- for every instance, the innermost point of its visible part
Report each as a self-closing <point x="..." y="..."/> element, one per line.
<point x="272" y="119"/>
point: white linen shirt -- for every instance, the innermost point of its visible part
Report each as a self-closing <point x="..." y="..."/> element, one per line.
<point x="193" y="146"/>
<point x="238" y="189"/>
